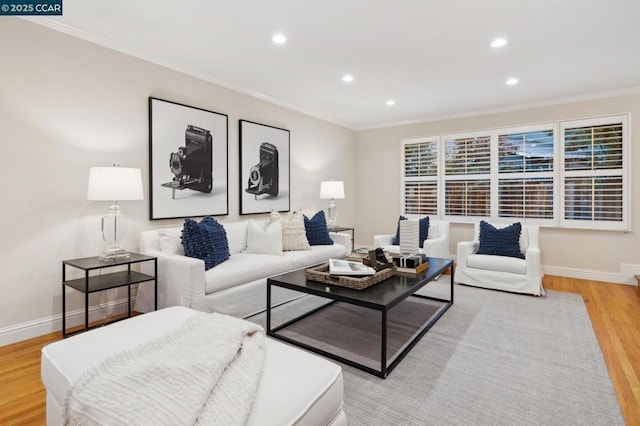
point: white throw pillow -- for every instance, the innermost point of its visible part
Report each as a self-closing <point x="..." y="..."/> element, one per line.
<point x="170" y="241"/>
<point x="294" y="235"/>
<point x="264" y="237"/>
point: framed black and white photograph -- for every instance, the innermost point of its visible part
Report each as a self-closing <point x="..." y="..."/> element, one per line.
<point x="188" y="161"/>
<point x="264" y="168"/>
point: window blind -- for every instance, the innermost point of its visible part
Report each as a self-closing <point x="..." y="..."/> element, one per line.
<point x="468" y="197"/>
<point x="421" y="198"/>
<point x="571" y="173"/>
<point x="468" y="155"/>
<point x="526" y="198"/>
<point x="594" y="183"/>
<point x="420" y="176"/>
<point x="525" y="168"/>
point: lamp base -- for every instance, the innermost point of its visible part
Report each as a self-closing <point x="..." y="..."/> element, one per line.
<point x="113" y="253"/>
<point x="332" y="212"/>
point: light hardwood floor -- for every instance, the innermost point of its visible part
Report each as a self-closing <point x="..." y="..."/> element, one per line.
<point x="614" y="310"/>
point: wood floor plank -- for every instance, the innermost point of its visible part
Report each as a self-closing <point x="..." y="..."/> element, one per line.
<point x="614" y="311"/>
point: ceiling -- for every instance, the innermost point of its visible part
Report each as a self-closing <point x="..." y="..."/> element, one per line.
<point x="432" y="57"/>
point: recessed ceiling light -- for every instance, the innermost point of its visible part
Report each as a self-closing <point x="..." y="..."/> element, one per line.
<point x="511" y="82"/>
<point x="347" y="78"/>
<point x="279" y="38"/>
<point x="498" y="42"/>
<point x="390" y="102"/>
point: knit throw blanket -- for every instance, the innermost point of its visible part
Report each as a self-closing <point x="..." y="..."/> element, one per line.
<point x="205" y="372"/>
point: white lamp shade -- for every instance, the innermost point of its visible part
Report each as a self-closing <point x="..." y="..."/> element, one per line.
<point x="332" y="189"/>
<point x="114" y="184"/>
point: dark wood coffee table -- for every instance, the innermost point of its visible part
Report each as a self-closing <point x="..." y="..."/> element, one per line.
<point x="381" y="297"/>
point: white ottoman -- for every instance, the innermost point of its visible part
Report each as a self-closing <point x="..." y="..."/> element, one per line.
<point x="296" y="387"/>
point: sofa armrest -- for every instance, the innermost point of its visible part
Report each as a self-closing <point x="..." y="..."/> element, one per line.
<point x="532" y="257"/>
<point x="465" y="249"/>
<point x="436" y="247"/>
<point x="342" y="239"/>
<point x="382" y="240"/>
<point x="180" y="283"/>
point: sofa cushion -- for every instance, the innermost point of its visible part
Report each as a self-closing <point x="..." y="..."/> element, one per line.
<point x="497" y="263"/>
<point x="316" y="230"/>
<point x="170" y="241"/>
<point x="500" y="242"/>
<point x="206" y="240"/>
<point x="264" y="237"/>
<point x="423" y="231"/>
<point x="237" y="235"/>
<point x="243" y="268"/>
<point x="317" y="254"/>
<point x="294" y="235"/>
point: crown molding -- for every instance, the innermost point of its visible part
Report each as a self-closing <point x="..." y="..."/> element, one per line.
<point x="56" y="25"/>
<point x="516" y="107"/>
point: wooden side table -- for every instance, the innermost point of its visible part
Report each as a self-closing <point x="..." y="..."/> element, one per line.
<point x="93" y="283"/>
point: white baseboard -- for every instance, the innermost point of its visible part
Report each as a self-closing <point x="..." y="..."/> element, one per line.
<point x="42" y="326"/>
<point x="625" y="276"/>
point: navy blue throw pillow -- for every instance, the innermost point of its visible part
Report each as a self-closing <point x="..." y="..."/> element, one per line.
<point x="396" y="239"/>
<point x="316" y="230"/>
<point x="206" y="240"/>
<point x="423" y="231"/>
<point x="500" y="242"/>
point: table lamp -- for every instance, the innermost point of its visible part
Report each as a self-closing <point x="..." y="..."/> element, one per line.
<point x="332" y="190"/>
<point x="114" y="184"/>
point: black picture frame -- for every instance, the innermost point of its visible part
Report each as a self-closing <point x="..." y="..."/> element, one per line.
<point x="188" y="161"/>
<point x="264" y="168"/>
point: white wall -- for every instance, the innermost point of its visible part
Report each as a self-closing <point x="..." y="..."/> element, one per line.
<point x="601" y="255"/>
<point x="67" y="105"/>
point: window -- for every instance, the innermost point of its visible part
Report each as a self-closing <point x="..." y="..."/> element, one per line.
<point x="569" y="174"/>
<point x="420" y="176"/>
<point x="526" y="161"/>
<point x="467" y="166"/>
<point x="594" y="181"/>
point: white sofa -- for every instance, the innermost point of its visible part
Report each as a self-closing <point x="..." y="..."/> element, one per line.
<point x="235" y="287"/>
<point x="436" y="244"/>
<point x="502" y="272"/>
<point x="296" y="387"/>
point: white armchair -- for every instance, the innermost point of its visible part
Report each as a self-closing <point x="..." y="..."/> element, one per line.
<point x="502" y="272"/>
<point x="436" y="244"/>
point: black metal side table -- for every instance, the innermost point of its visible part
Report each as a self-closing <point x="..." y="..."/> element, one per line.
<point x="337" y="228"/>
<point x="93" y="283"/>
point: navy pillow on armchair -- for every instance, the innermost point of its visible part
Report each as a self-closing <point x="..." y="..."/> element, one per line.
<point x="500" y="242"/>
<point x="423" y="231"/>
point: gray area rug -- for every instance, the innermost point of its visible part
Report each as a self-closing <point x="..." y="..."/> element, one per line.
<point x="494" y="358"/>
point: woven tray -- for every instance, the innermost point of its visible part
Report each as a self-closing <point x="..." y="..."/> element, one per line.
<point x="321" y="273"/>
